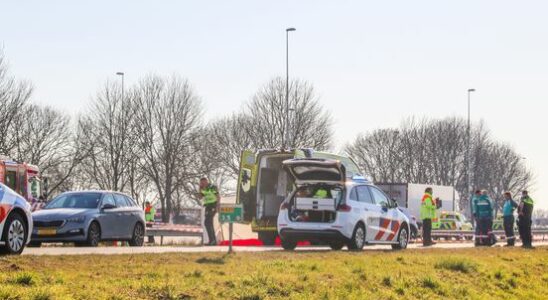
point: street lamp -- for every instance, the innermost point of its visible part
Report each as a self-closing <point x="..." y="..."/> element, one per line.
<point x="467" y="160"/>
<point x="286" y="142"/>
<point x="121" y="74"/>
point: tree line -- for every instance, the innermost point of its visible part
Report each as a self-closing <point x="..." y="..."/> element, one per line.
<point x="153" y="140"/>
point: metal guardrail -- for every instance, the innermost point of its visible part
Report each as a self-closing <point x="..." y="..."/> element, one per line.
<point x="170" y="230"/>
<point x="469" y="234"/>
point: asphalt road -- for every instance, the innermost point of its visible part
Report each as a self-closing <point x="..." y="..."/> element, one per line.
<point x="203" y="249"/>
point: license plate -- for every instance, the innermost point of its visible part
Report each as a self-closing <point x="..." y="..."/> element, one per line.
<point x="47" y="231"/>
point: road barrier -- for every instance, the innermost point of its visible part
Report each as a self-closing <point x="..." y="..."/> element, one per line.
<point x="448" y="235"/>
<point x="174" y="230"/>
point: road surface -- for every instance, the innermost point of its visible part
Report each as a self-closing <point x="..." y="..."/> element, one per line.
<point x="203" y="249"/>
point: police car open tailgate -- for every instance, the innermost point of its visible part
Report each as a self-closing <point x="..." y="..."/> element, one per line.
<point x="314" y="171"/>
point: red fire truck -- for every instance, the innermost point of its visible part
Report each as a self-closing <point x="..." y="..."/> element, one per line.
<point x="23" y="178"/>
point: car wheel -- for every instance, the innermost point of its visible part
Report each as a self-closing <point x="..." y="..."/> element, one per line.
<point x="34" y="244"/>
<point x="403" y="240"/>
<point x="357" y="241"/>
<point x="94" y="235"/>
<point x="15" y="235"/>
<point x="268" y="238"/>
<point x="138" y="238"/>
<point x="336" y="245"/>
<point x="289" y="244"/>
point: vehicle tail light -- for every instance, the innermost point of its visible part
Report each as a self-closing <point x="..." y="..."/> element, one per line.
<point x="345" y="207"/>
<point x="284" y="206"/>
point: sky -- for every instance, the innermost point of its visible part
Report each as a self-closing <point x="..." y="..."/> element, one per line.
<point x="372" y="63"/>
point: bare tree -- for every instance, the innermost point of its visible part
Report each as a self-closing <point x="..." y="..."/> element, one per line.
<point x="432" y="152"/>
<point x="14" y="95"/>
<point x="309" y="123"/>
<point x="107" y="132"/>
<point x="168" y="116"/>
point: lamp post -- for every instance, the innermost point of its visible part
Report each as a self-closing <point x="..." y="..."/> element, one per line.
<point x="467" y="159"/>
<point x="286" y="140"/>
<point x="121" y="74"/>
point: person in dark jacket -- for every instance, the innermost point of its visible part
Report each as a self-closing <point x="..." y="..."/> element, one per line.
<point x="525" y="219"/>
<point x="508" y="218"/>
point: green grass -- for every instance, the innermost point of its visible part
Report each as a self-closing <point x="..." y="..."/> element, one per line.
<point x="499" y="273"/>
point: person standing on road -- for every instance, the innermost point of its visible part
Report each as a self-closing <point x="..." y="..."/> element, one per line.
<point x="525" y="214"/>
<point x="211" y="201"/>
<point x="483" y="212"/>
<point x="150" y="212"/>
<point x="508" y="218"/>
<point x="427" y="213"/>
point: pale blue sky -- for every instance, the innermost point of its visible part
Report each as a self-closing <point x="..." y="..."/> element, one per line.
<point x="373" y="63"/>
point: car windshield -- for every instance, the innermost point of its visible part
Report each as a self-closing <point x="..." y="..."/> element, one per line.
<point x="75" y="200"/>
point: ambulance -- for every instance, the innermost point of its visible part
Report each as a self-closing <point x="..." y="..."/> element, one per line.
<point x="22" y="178"/>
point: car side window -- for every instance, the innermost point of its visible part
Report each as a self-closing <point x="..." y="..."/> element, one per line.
<point x="354" y="194"/>
<point x="109" y="199"/>
<point x="364" y="195"/>
<point x="120" y="200"/>
<point x="130" y="202"/>
<point x="379" y="197"/>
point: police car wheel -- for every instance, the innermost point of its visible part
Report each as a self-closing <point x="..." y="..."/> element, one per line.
<point x="403" y="240"/>
<point x="357" y="242"/>
<point x="14" y="236"/>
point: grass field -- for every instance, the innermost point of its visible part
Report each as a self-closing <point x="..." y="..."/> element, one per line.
<point x="428" y="274"/>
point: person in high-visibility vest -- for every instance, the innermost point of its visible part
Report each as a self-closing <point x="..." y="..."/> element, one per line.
<point x="483" y="212"/>
<point x="427" y="213"/>
<point x="211" y="200"/>
<point x="525" y="214"/>
<point x="508" y="218"/>
<point x="150" y="212"/>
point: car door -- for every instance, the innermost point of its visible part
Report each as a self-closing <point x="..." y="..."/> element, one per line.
<point x="126" y="220"/>
<point x="389" y="223"/>
<point x="108" y="217"/>
<point x="369" y="212"/>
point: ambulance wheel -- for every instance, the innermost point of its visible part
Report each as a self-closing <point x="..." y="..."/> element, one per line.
<point x="357" y="241"/>
<point x="403" y="239"/>
<point x="14" y="235"/>
<point x="268" y="238"/>
<point x="336" y="245"/>
<point x="289" y="244"/>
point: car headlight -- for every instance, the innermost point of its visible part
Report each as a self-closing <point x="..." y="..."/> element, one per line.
<point x="80" y="219"/>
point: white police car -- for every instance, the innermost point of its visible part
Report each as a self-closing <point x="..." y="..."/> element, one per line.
<point x="15" y="221"/>
<point x="328" y="208"/>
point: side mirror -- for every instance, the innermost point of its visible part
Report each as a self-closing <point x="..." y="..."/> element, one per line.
<point x="384" y="206"/>
<point x="108" y="206"/>
<point x="395" y="202"/>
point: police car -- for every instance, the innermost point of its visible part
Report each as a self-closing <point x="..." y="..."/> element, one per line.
<point x="328" y="208"/>
<point x="15" y="221"/>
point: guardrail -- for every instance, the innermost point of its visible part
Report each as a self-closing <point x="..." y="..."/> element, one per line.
<point x="538" y="234"/>
<point x="174" y="230"/>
